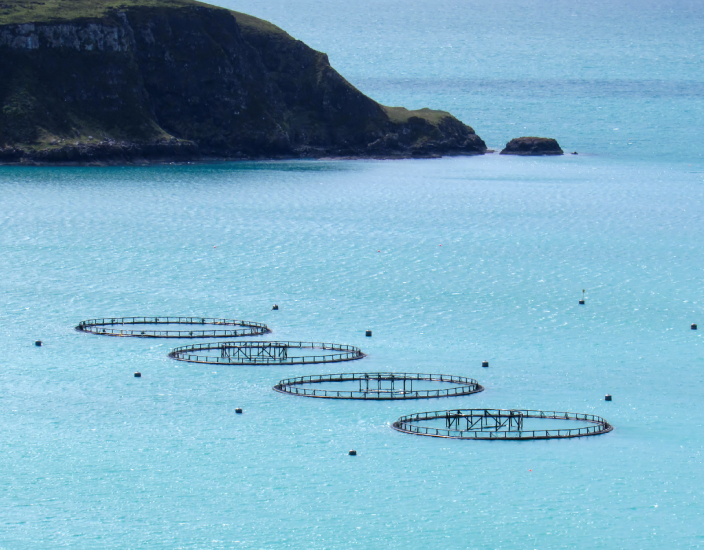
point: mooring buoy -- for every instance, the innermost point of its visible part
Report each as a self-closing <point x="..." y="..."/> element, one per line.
<point x="38" y="343"/>
<point x="369" y="334"/>
<point x="581" y="302"/>
<point x="275" y="308"/>
<point x="238" y="410"/>
<point x="694" y="327"/>
<point x="608" y="397"/>
<point x="485" y="364"/>
<point x="353" y="453"/>
<point x="575" y="153"/>
<point x="138" y="375"/>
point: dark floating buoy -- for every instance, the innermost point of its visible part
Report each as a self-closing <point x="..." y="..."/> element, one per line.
<point x="369" y="333"/>
<point x="238" y="410"/>
<point x="138" y="375"/>
<point x="38" y="343"/>
<point x="275" y="308"/>
<point x="581" y="302"/>
<point x="694" y="327"/>
<point x="485" y="364"/>
<point x="575" y="153"/>
<point x="353" y="453"/>
<point x="608" y="397"/>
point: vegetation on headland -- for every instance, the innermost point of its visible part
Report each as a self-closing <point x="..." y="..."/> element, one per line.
<point x="17" y="12"/>
<point x="123" y="80"/>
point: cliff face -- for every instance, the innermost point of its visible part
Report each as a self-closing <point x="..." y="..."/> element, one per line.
<point x="182" y="80"/>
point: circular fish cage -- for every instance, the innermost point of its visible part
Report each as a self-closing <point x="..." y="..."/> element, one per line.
<point x="498" y="424"/>
<point x="194" y="327"/>
<point x="265" y="353"/>
<point x="379" y="386"/>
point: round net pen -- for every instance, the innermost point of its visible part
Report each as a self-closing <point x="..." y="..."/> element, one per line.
<point x="497" y="424"/>
<point x="188" y="327"/>
<point x="265" y="353"/>
<point x="379" y="386"/>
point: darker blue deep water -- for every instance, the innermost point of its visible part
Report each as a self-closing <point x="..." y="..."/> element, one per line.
<point x="94" y="458"/>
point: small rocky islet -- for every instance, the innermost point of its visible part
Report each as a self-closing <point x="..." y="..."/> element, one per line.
<point x="532" y="146"/>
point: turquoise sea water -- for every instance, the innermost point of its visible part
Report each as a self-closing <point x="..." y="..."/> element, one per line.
<point x="449" y="262"/>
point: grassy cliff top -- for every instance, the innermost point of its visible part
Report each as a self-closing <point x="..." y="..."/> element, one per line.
<point x="14" y="12"/>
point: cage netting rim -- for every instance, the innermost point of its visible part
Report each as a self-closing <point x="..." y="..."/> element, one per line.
<point x="467" y="386"/>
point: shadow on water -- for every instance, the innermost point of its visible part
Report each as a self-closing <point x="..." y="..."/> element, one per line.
<point x="172" y="172"/>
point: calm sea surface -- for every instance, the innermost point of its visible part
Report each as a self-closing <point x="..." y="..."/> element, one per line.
<point x="449" y="262"/>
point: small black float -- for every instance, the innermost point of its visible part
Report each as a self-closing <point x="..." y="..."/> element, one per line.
<point x="353" y="453"/>
<point x="138" y="375"/>
<point x="694" y="327"/>
<point x="607" y="397"/>
<point x="575" y="153"/>
<point x="238" y="410"/>
<point x="38" y="343"/>
<point x="581" y="302"/>
<point x="368" y="334"/>
<point x="485" y="364"/>
<point x="275" y="308"/>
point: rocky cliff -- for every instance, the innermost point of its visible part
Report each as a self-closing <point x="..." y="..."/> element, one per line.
<point x="120" y="81"/>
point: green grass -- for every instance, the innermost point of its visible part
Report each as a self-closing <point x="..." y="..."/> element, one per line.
<point x="14" y="12"/>
<point x="47" y="11"/>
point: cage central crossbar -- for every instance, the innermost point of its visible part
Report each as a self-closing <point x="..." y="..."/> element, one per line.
<point x="498" y="424"/>
<point x="379" y="385"/>
<point x="485" y="419"/>
<point x="264" y="353"/>
<point x="117" y="326"/>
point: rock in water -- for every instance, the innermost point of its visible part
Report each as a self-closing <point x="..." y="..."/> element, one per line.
<point x="131" y="80"/>
<point x="532" y="146"/>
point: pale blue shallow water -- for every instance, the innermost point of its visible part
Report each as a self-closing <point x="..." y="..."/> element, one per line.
<point x="94" y="458"/>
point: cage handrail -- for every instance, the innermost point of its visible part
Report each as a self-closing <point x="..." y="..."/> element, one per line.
<point x="467" y="386"/>
<point x="347" y="353"/>
<point x="406" y="424"/>
<point x="104" y="327"/>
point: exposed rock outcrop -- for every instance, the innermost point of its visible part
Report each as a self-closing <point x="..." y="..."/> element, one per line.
<point x="532" y="146"/>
